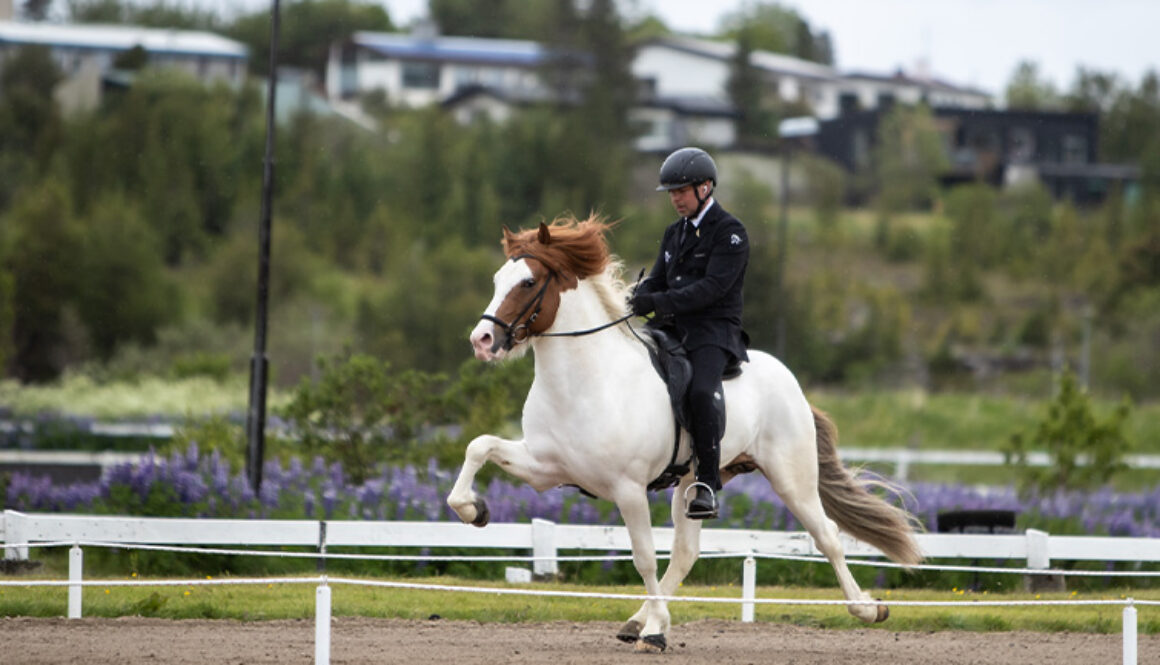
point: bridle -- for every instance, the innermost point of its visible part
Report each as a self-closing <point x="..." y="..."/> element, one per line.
<point x="518" y="333"/>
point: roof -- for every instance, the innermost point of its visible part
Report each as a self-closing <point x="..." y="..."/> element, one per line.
<point x="692" y="105"/>
<point x="453" y="49"/>
<point x="901" y="78"/>
<point x="766" y="60"/>
<point x="121" y="38"/>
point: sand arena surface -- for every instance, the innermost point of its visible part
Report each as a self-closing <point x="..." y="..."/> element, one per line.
<point x="356" y="640"/>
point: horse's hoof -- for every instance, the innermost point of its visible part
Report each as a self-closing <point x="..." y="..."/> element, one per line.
<point x="482" y="515"/>
<point x="629" y="632"/>
<point x="883" y="613"/>
<point x="652" y="643"/>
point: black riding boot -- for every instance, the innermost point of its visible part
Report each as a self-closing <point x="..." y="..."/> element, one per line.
<point x="704" y="395"/>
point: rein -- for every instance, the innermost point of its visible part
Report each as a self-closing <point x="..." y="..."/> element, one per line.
<point x="518" y="333"/>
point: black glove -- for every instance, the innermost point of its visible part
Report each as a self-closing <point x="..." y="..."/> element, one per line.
<point x="642" y="304"/>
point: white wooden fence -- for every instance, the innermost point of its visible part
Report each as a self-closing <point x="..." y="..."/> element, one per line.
<point x="545" y="539"/>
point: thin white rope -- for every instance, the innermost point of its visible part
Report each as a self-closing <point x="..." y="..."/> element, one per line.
<point x="966" y="569"/>
<point x="532" y="559"/>
<point x="415" y="586"/>
<point x="205" y="582"/>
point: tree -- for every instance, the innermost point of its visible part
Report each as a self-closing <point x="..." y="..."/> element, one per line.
<point x="308" y="29"/>
<point x="126" y="295"/>
<point x="45" y="279"/>
<point x="909" y="156"/>
<point x="360" y="413"/>
<point x="30" y="121"/>
<point x="775" y="28"/>
<point x="745" y="88"/>
<point x="501" y="19"/>
<point x="1084" y="452"/>
<point x="1027" y="90"/>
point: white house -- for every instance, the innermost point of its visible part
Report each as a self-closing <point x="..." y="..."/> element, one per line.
<point x="85" y="53"/>
<point x="422" y="68"/>
<point x="687" y="67"/>
<point x="861" y="90"/>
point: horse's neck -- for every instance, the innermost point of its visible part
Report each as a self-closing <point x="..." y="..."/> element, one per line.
<point x="572" y="360"/>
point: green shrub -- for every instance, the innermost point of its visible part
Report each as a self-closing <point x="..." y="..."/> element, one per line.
<point x="1084" y="452"/>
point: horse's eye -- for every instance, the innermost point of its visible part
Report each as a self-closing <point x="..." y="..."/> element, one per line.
<point x="529" y="283"/>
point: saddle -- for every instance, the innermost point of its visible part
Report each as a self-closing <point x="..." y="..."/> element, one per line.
<point x="670" y="359"/>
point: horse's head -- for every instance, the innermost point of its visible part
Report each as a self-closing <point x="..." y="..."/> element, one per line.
<point x="542" y="264"/>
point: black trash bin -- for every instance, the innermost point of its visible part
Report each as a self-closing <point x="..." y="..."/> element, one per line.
<point x="976" y="521"/>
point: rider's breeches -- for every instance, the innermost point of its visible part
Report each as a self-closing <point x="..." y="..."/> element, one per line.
<point x="708" y="364"/>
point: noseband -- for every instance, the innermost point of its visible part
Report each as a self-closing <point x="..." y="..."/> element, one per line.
<point x="516" y="332"/>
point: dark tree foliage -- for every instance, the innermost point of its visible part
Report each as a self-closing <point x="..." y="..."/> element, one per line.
<point x="30" y="122"/>
<point x="308" y="29"/>
<point x="779" y="29"/>
<point x="746" y="91"/>
<point x="157" y="14"/>
<point x="501" y="19"/>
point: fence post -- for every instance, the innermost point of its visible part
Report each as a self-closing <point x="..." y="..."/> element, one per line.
<point x="14" y="532"/>
<point x="544" y="545"/>
<point x="76" y="567"/>
<point x="322" y="625"/>
<point x="1130" y="633"/>
<point x="748" y="587"/>
<point x="1039" y="558"/>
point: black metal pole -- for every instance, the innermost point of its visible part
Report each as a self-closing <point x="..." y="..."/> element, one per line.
<point x="782" y="240"/>
<point x="259" y="366"/>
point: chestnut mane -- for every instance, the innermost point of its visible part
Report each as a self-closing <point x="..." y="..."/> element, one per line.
<point x="575" y="247"/>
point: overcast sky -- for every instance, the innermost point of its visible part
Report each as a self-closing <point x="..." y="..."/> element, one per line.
<point x="969" y="42"/>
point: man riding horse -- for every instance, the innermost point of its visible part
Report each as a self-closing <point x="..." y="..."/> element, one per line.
<point x="695" y="286"/>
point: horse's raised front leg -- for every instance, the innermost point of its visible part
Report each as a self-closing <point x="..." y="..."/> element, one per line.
<point x="686" y="549"/>
<point x="512" y="456"/>
<point x="654" y="622"/>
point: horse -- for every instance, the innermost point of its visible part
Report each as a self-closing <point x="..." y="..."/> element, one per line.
<point x="599" y="417"/>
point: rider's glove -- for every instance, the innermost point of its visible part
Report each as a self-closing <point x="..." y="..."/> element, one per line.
<point x="642" y="304"/>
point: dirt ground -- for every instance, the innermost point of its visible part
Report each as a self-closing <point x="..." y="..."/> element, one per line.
<point x="25" y="641"/>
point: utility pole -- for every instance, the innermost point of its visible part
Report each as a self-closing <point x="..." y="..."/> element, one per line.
<point x="791" y="131"/>
<point x="259" y="365"/>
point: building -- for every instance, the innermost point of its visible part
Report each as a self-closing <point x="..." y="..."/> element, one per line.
<point x="863" y="91"/>
<point x="684" y="67"/>
<point x="998" y="147"/>
<point x="87" y="54"/>
<point x="422" y="68"/>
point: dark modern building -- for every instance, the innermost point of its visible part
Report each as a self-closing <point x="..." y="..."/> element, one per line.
<point x="1001" y="148"/>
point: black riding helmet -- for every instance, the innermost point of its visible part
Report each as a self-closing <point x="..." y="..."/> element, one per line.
<point x="687" y="166"/>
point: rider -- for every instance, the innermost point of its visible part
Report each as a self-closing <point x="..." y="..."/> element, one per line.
<point x="695" y="285"/>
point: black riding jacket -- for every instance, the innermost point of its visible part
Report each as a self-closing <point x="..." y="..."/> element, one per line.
<point x="698" y="283"/>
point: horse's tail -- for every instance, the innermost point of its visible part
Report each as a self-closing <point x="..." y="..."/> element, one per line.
<point x="858" y="512"/>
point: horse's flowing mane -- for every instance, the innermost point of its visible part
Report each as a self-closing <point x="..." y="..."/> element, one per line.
<point x="576" y="247"/>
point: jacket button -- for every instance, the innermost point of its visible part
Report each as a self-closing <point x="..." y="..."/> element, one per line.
<point x="678" y="279"/>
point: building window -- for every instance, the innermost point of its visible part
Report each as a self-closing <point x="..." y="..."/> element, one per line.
<point x="422" y="75"/>
<point x="1021" y="145"/>
<point x="1075" y="148"/>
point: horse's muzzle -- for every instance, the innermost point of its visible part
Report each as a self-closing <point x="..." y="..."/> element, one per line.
<point x="487" y="340"/>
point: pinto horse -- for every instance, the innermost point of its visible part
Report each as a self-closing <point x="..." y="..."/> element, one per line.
<point x="598" y="416"/>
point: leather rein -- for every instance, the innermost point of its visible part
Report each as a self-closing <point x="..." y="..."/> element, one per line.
<point x="518" y="333"/>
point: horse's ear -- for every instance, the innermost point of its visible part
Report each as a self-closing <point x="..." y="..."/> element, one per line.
<point x="508" y="237"/>
<point x="545" y="236"/>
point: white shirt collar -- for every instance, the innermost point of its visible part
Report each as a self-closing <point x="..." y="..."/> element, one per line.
<point x="704" y="209"/>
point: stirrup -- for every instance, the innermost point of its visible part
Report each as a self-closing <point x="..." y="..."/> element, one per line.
<point x="703" y="514"/>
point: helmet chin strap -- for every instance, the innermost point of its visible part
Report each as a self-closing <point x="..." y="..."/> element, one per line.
<point x="700" y="201"/>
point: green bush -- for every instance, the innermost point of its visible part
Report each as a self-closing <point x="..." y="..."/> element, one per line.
<point x="1084" y="452"/>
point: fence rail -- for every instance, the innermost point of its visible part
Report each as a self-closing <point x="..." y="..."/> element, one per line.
<point x="902" y="459"/>
<point x="545" y="539"/>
